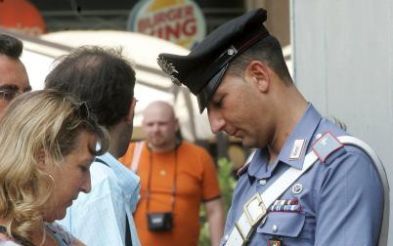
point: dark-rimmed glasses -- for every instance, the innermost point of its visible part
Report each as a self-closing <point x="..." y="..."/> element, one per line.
<point x="9" y="93"/>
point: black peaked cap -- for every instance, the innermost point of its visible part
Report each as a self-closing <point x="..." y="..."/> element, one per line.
<point x="203" y="68"/>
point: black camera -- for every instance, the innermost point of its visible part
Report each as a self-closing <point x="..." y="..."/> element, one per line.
<point x="160" y="221"/>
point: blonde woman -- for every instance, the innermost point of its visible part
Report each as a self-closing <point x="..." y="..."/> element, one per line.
<point x="47" y="143"/>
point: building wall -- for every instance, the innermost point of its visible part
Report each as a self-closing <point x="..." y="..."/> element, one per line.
<point x="343" y="60"/>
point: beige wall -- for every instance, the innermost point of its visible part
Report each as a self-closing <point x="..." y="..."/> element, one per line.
<point x="278" y="17"/>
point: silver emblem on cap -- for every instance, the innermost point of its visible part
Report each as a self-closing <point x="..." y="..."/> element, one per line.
<point x="169" y="69"/>
<point x="231" y="51"/>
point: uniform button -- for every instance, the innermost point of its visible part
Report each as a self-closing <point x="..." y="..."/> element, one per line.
<point x="262" y="181"/>
<point x="297" y="188"/>
<point x="318" y="136"/>
<point x="226" y="237"/>
<point x="275" y="228"/>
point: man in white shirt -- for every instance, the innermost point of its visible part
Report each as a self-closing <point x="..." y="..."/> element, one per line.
<point x="105" y="81"/>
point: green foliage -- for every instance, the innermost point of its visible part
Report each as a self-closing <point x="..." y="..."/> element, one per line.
<point x="227" y="184"/>
<point x="226" y="180"/>
<point x="204" y="238"/>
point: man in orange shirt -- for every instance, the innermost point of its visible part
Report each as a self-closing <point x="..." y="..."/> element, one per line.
<point x="176" y="176"/>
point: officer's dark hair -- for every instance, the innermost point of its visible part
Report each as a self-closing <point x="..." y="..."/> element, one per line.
<point x="101" y="77"/>
<point x="10" y="46"/>
<point x="267" y="50"/>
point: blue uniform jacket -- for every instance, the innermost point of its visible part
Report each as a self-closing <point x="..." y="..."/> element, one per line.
<point x="339" y="201"/>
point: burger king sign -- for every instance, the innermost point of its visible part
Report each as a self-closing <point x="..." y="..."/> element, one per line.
<point x="179" y="21"/>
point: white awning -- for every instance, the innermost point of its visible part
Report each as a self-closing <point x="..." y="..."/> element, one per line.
<point x="152" y="84"/>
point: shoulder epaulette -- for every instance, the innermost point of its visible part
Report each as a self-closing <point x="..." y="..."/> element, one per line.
<point x="326" y="145"/>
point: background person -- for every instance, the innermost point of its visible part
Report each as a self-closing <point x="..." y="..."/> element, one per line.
<point x="244" y="83"/>
<point x="176" y="178"/>
<point x="48" y="142"/>
<point x="105" y="80"/>
<point x="13" y="76"/>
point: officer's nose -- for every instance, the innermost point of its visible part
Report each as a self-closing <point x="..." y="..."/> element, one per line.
<point x="217" y="122"/>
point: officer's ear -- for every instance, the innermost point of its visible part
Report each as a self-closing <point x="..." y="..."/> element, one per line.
<point x="258" y="73"/>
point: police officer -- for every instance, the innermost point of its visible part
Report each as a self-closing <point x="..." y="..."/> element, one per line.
<point x="239" y="74"/>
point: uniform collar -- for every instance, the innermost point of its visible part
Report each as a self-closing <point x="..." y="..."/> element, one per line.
<point x="303" y="132"/>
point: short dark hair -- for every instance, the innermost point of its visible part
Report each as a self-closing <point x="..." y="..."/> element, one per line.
<point x="268" y="50"/>
<point x="10" y="46"/>
<point x="100" y="77"/>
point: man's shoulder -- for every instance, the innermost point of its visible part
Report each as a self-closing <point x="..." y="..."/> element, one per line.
<point x="100" y="171"/>
<point x="332" y="149"/>
<point x="325" y="141"/>
<point x="103" y="177"/>
<point x="107" y="162"/>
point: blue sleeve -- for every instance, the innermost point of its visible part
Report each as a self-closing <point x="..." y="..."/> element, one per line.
<point x="349" y="201"/>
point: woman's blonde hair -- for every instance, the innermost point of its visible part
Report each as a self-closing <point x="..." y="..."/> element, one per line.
<point x="34" y="122"/>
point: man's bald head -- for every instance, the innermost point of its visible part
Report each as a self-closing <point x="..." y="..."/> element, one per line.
<point x="160" y="108"/>
<point x="160" y="126"/>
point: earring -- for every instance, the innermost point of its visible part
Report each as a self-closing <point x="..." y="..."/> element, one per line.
<point x="51" y="178"/>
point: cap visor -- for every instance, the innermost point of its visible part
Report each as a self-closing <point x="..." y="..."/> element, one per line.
<point x="208" y="91"/>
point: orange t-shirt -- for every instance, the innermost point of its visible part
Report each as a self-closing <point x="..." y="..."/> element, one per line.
<point x="196" y="181"/>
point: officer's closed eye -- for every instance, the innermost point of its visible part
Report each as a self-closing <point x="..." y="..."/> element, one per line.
<point x="217" y="103"/>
